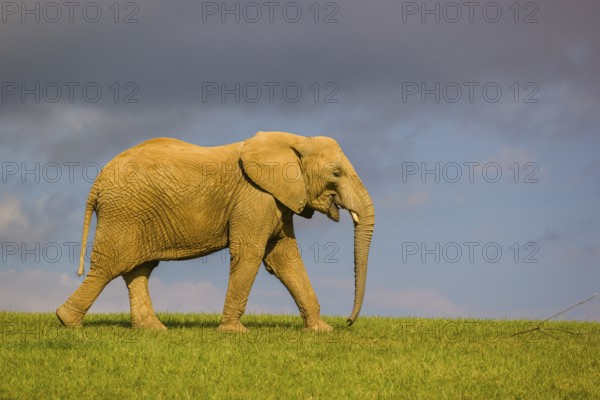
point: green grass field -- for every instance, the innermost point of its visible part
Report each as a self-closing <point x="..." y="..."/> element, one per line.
<point x="376" y="358"/>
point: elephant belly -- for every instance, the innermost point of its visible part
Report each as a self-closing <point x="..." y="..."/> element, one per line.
<point x="159" y="233"/>
<point x="190" y="240"/>
<point x="196" y="250"/>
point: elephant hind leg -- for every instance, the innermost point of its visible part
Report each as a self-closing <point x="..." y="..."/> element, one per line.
<point x="71" y="313"/>
<point x="142" y="312"/>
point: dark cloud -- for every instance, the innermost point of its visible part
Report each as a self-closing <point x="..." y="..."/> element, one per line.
<point x="170" y="53"/>
<point x="362" y="61"/>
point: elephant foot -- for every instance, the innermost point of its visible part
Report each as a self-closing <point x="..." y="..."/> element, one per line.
<point x="70" y="316"/>
<point x="151" y="324"/>
<point x="318" y="326"/>
<point x="235" y="327"/>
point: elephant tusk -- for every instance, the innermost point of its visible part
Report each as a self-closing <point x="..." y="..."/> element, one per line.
<point x="354" y="216"/>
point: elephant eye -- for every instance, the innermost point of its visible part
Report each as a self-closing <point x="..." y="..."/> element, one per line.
<point x="337" y="173"/>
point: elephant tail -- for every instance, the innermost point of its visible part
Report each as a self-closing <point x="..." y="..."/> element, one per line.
<point x="89" y="209"/>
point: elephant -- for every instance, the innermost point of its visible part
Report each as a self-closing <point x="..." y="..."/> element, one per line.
<point x="165" y="199"/>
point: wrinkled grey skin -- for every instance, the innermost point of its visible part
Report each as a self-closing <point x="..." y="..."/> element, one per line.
<point x="165" y="199"/>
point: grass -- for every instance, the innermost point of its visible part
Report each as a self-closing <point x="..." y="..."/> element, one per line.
<point x="377" y="358"/>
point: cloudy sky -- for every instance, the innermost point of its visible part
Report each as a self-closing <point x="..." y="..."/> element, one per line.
<point x="475" y="128"/>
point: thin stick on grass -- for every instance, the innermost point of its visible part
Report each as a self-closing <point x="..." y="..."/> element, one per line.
<point x="539" y="327"/>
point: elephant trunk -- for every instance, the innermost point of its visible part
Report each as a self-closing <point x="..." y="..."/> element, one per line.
<point x="364" y="221"/>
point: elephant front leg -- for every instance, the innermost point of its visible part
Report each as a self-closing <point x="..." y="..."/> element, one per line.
<point x="283" y="258"/>
<point x="142" y="312"/>
<point x="245" y="262"/>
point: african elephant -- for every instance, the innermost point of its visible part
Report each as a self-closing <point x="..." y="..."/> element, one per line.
<point x="165" y="199"/>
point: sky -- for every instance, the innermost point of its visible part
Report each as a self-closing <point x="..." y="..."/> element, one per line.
<point x="475" y="127"/>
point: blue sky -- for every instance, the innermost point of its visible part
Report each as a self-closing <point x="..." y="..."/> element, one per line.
<point x="363" y="68"/>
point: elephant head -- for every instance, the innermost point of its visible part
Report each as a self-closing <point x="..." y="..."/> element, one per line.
<point x="308" y="174"/>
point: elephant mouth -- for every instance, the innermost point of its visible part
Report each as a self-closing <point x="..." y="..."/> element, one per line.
<point x="333" y="212"/>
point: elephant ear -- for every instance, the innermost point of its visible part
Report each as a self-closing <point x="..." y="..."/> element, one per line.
<point x="272" y="161"/>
